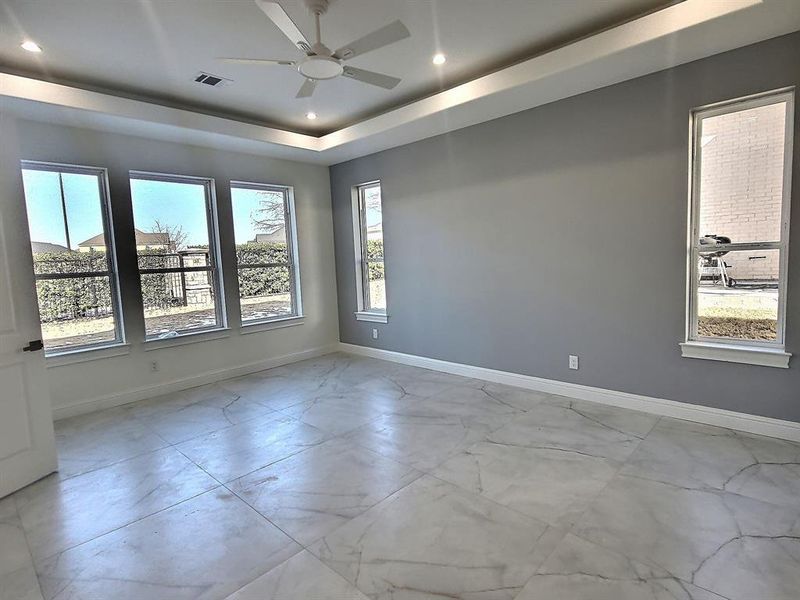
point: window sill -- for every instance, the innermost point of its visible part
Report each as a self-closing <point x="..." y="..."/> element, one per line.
<point x="372" y="317"/>
<point x="750" y="355"/>
<point x="187" y="338"/>
<point x="248" y="328"/>
<point x="72" y="357"/>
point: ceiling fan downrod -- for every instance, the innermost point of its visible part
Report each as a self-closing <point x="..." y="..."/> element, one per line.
<point x="318" y="8"/>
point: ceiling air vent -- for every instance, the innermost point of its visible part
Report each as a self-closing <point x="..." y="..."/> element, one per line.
<point x="212" y="80"/>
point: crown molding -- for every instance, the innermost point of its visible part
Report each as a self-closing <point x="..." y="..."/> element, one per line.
<point x="677" y="34"/>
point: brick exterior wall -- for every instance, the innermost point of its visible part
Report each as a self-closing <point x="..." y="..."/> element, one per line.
<point x="741" y="185"/>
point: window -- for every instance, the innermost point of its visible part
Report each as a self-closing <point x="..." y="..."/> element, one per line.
<point x="740" y="225"/>
<point x="175" y="228"/>
<point x="368" y="227"/>
<point x="73" y="256"/>
<point x="266" y="254"/>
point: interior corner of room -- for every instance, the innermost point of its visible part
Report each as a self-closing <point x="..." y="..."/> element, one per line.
<point x="577" y="209"/>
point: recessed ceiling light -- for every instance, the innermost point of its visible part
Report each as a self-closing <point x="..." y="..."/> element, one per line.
<point x="439" y="59"/>
<point x="31" y="46"/>
<point x="311" y="116"/>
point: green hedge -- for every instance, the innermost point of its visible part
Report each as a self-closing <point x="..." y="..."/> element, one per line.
<point x="375" y="250"/>
<point x="91" y="297"/>
<point x="72" y="298"/>
<point x="262" y="281"/>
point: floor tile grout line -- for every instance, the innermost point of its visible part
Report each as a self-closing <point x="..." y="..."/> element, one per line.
<point x="498" y="504"/>
<point x="705" y="490"/>
<point x="27" y="544"/>
<point x="194" y="437"/>
<point x="93" y="471"/>
<point x="101" y="467"/>
<point x="547" y="526"/>
<point x="566" y="530"/>
<point x="332" y="436"/>
<point x="240" y="396"/>
<point x="617" y="472"/>
<point x="115" y="529"/>
<point x="708" y="489"/>
<point x="243" y="500"/>
<point x="226" y="482"/>
<point x="267" y="519"/>
<point x="270" y="411"/>
<point x="419" y="474"/>
<point x="644" y="561"/>
<point x="369" y="509"/>
<point x="237" y="590"/>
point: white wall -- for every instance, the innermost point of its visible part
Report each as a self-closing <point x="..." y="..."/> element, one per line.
<point x="110" y="381"/>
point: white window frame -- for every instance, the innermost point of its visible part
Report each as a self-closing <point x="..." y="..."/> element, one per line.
<point x="365" y="312"/>
<point x="214" y="255"/>
<point x="112" y="271"/>
<point x="291" y="243"/>
<point x="759" y="352"/>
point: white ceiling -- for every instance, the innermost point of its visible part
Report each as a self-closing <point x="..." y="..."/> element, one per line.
<point x="677" y="34"/>
<point x="152" y="49"/>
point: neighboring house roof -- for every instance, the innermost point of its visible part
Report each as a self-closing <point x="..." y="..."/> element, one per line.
<point x="375" y="231"/>
<point x="142" y="239"/>
<point x="47" y="247"/>
<point x="276" y="235"/>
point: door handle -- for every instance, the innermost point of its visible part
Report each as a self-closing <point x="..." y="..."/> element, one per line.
<point x="34" y="346"/>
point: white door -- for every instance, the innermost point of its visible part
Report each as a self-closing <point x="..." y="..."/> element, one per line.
<point x="27" y="444"/>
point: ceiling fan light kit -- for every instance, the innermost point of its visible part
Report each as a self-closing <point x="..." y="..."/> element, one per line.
<point x="319" y="63"/>
<point x="320" y="67"/>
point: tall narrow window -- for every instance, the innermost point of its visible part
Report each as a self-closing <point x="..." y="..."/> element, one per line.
<point x="266" y="253"/>
<point x="73" y="256"/>
<point x="178" y="252"/>
<point x="742" y="157"/>
<point x="368" y="227"/>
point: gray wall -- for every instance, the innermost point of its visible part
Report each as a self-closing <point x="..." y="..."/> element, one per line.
<point x="562" y="230"/>
<point x="108" y="379"/>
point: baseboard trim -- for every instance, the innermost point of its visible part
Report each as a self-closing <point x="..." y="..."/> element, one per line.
<point x="787" y="430"/>
<point x="177" y="385"/>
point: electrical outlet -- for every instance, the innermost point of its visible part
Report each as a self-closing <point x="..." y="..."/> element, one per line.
<point x="154" y="366"/>
<point x="374" y="334"/>
<point x="573" y="362"/>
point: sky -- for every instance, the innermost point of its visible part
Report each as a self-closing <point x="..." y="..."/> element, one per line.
<point x="170" y="203"/>
<point x="45" y="214"/>
<point x="374" y="212"/>
<point x="245" y="204"/>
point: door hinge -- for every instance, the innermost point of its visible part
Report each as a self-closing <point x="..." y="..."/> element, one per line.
<point x="34" y="346"/>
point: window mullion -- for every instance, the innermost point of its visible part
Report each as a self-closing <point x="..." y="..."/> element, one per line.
<point x="262" y="265"/>
<point x="76" y="275"/>
<point x="156" y="270"/>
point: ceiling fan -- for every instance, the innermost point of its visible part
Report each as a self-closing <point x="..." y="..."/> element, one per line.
<point x="319" y="62"/>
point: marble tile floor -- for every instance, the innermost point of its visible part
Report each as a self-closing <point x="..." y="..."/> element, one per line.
<point x="348" y="478"/>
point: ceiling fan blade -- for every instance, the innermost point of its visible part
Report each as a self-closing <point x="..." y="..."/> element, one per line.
<point x="256" y="61"/>
<point x="277" y="15"/>
<point x="307" y="89"/>
<point x="393" y="32"/>
<point x="371" y="77"/>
